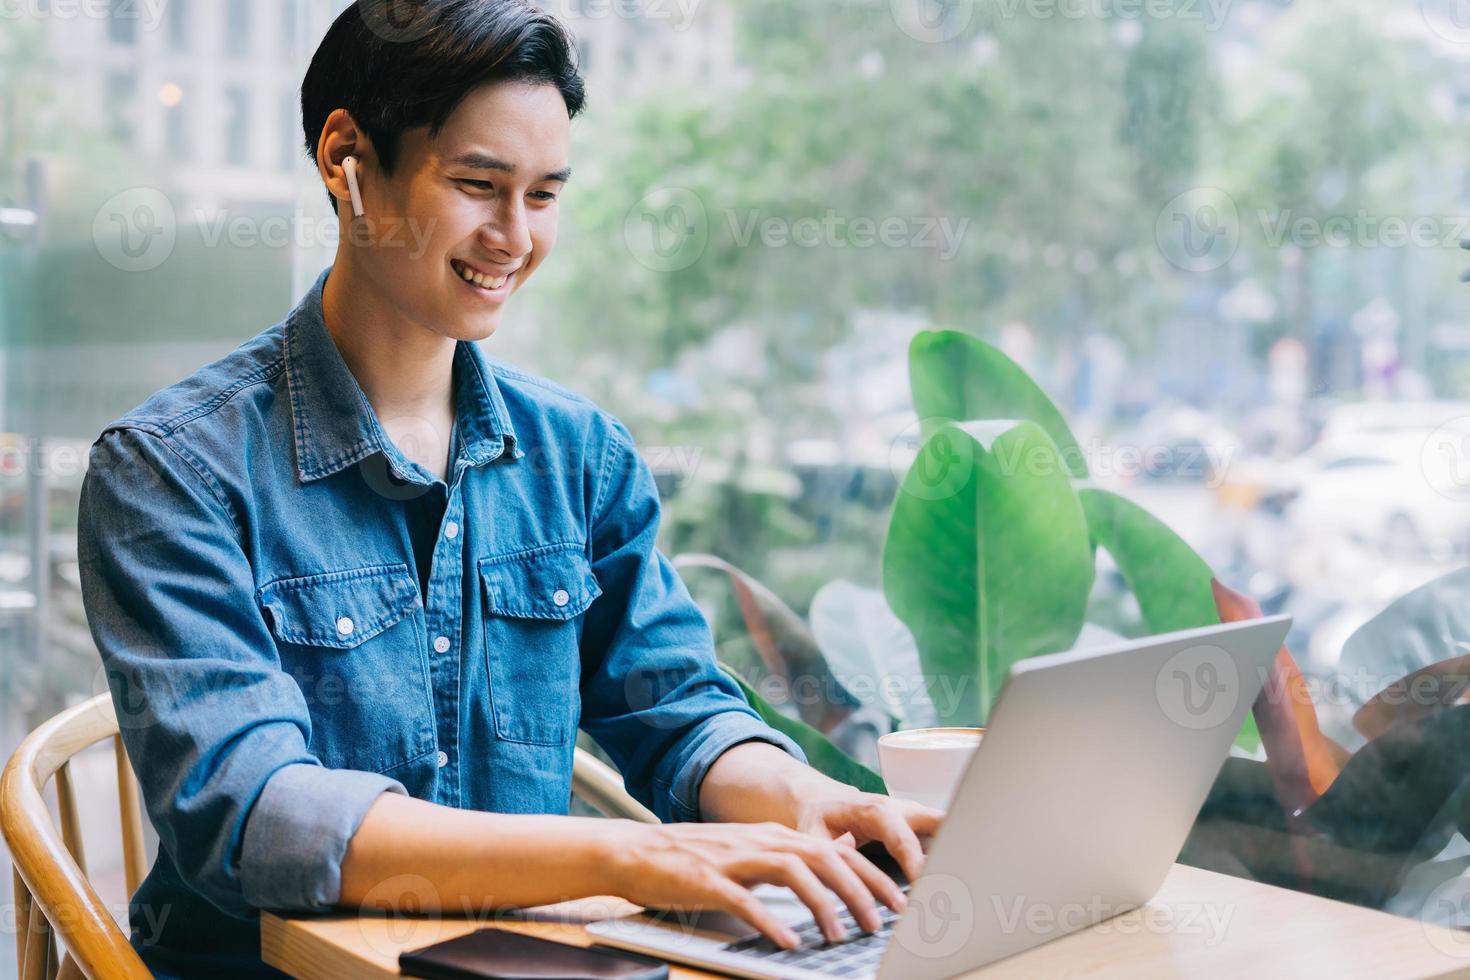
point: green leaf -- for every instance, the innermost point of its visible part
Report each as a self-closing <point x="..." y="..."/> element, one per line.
<point x="1168" y="577"/>
<point x="821" y="753"/>
<point x="987" y="559"/>
<point x="960" y="378"/>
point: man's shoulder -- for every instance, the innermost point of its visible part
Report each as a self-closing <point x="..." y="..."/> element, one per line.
<point x="534" y="401"/>
<point x="216" y="393"/>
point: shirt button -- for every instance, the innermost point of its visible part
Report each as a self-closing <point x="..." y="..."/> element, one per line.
<point x="560" y="597"/>
<point x="344" y="626"/>
<point x="451" y="530"/>
<point x="443" y="759"/>
<point x="441" y="644"/>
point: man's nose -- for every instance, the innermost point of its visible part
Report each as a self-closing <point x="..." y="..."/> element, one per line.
<point x="507" y="231"/>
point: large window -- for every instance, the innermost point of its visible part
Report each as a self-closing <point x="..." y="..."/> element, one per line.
<point x="237" y="126"/>
<point x="1221" y="238"/>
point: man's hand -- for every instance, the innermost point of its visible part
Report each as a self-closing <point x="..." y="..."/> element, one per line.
<point x="855" y="818"/>
<point x="712" y="866"/>
<point x="756" y="781"/>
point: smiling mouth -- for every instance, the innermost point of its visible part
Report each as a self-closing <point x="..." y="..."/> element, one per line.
<point x="480" y="279"/>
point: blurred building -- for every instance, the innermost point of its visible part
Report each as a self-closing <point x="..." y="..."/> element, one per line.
<point x="213" y="86"/>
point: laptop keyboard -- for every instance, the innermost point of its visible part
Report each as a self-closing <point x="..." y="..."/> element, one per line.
<point x="856" y="956"/>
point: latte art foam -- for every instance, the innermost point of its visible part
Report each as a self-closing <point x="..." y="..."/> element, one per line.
<point x="934" y="740"/>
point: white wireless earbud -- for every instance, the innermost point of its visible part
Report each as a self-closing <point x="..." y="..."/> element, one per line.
<point x="349" y="166"/>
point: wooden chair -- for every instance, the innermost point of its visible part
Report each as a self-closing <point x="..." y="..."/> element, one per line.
<point x="53" y="897"/>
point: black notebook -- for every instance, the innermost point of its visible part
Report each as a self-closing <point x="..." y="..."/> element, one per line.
<point x="505" y="955"/>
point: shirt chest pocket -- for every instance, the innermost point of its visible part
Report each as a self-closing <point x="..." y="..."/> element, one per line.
<point x="533" y="602"/>
<point x="354" y="642"/>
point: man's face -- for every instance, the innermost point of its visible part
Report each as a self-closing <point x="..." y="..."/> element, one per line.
<point x="479" y="199"/>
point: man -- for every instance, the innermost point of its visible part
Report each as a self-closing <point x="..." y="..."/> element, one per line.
<point x="356" y="586"/>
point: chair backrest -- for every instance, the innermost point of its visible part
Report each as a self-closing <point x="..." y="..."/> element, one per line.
<point x="51" y="885"/>
<point x="50" y="874"/>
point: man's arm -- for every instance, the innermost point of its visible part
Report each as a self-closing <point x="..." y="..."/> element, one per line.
<point x="653" y="696"/>
<point x="413" y="853"/>
<point x="216" y="731"/>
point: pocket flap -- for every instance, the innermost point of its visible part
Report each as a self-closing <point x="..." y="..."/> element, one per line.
<point x="339" y="609"/>
<point x="548" y="583"/>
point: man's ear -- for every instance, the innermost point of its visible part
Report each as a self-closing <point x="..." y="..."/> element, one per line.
<point x="343" y="138"/>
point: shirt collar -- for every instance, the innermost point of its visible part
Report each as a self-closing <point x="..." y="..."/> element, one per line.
<point x="335" y="425"/>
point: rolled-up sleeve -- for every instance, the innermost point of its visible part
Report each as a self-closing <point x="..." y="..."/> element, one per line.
<point x="653" y="696"/>
<point x="216" y="731"/>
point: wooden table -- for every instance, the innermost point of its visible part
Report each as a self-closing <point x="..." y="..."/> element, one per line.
<point x="1200" y="924"/>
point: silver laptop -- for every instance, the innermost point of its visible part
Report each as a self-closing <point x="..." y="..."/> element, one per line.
<point x="1072" y="810"/>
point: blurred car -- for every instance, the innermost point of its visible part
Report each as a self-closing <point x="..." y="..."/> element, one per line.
<point x="1398" y="492"/>
<point x="1176" y="444"/>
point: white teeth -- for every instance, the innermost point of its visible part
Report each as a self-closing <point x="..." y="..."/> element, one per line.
<point x="483" y="281"/>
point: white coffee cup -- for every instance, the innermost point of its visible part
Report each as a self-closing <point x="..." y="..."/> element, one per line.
<point x="925" y="764"/>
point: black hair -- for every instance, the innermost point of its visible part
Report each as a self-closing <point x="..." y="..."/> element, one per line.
<point x="396" y="65"/>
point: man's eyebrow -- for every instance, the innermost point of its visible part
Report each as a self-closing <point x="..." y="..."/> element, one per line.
<point x="476" y="160"/>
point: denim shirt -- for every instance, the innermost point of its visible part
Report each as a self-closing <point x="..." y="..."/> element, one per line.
<point x="248" y="548"/>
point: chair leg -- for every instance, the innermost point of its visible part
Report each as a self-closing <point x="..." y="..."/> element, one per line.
<point x="132" y="819"/>
<point x="71" y="825"/>
<point x="22" y="920"/>
<point x="38" y="958"/>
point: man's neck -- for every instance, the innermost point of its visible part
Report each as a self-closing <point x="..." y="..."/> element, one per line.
<point x="406" y="371"/>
